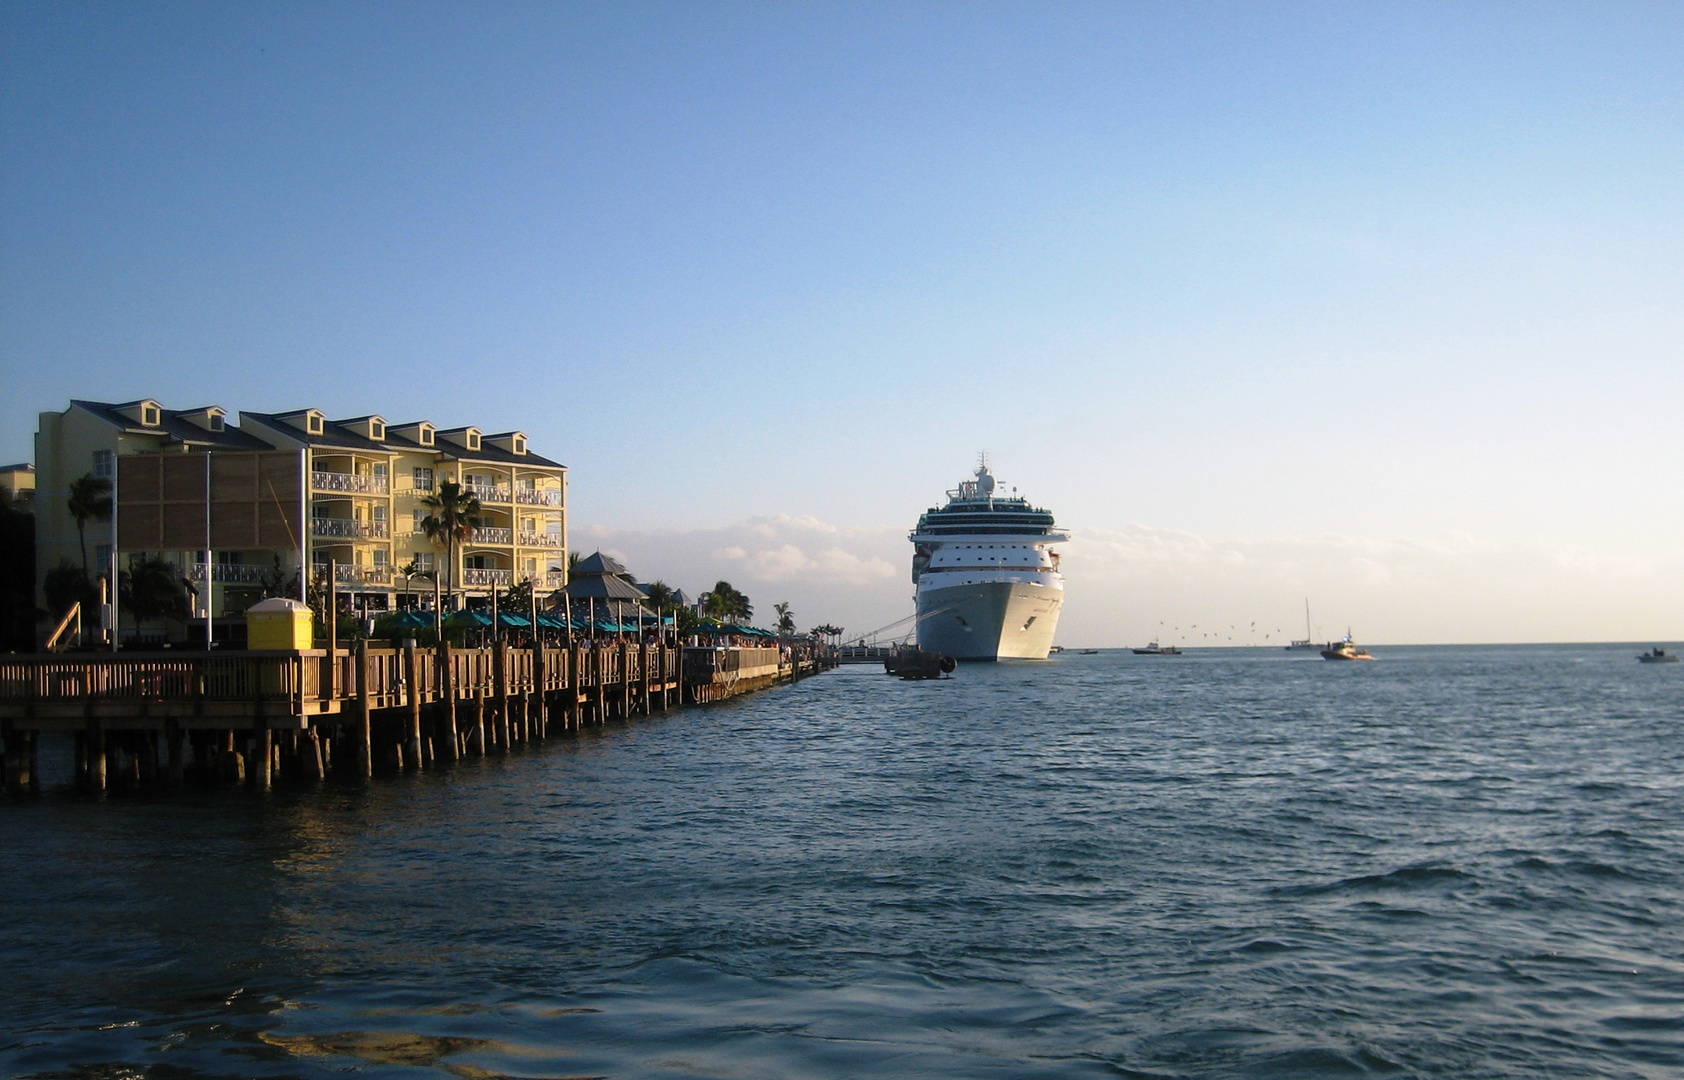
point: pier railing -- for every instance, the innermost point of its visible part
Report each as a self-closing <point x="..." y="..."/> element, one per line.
<point x="278" y="683"/>
<point x="406" y="706"/>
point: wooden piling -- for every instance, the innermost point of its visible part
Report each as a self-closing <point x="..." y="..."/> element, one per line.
<point x="363" y="733"/>
<point x="310" y="750"/>
<point x="500" y="672"/>
<point x="644" y="652"/>
<point x="444" y="725"/>
<point x="16" y="767"/>
<point x="172" y="736"/>
<point x="412" y="691"/>
<point x="262" y="754"/>
<point x="230" y="763"/>
<point x="540" y="680"/>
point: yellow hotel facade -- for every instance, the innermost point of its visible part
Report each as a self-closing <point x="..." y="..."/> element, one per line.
<point x="364" y="481"/>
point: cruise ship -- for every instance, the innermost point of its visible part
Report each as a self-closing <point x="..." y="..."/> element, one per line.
<point x="987" y="577"/>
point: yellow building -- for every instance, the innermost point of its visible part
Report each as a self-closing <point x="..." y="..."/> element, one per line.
<point x="364" y="482"/>
<point x="19" y="481"/>
<point x="368" y="484"/>
<point x="86" y="439"/>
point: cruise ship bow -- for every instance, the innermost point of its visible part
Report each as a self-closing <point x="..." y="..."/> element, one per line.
<point x="989" y="586"/>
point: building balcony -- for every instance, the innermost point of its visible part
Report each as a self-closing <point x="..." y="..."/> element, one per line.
<point x="485" y="579"/>
<point x="487" y="492"/>
<point x="232" y="573"/>
<point x="350" y="483"/>
<point x="347" y="529"/>
<point x="546" y="540"/>
<point x="538" y="497"/>
<point x="352" y="574"/>
<point x="492" y="535"/>
<point x="553" y="579"/>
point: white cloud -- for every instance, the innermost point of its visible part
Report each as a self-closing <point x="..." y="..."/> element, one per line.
<point x="1128" y="585"/>
<point x="851" y="577"/>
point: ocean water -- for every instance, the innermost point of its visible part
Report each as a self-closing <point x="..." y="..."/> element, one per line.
<point x="1461" y="862"/>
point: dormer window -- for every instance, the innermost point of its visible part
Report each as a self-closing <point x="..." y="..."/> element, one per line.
<point x="377" y="431"/>
<point x="216" y="423"/>
<point x="313" y="423"/>
<point x="150" y="416"/>
<point x="473" y="440"/>
<point x="520" y="444"/>
<point x="426" y="435"/>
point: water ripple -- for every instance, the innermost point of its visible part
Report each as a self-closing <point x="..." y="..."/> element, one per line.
<point x="1462" y="862"/>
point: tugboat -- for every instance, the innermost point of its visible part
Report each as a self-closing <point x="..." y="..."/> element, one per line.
<point x="1657" y="655"/>
<point x="916" y="663"/>
<point x="1154" y="649"/>
<point x="1345" y="650"/>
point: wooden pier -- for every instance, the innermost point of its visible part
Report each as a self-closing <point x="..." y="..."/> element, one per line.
<point x="254" y="717"/>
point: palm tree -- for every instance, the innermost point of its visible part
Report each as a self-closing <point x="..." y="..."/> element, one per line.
<point x="454" y="515"/>
<point x="786" y="620"/>
<point x="716" y="602"/>
<point x="725" y="602"/>
<point x="659" y="593"/>
<point x="89" y="499"/>
<point x="151" y="589"/>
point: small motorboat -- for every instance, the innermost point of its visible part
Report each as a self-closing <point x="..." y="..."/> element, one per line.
<point x="1154" y="649"/>
<point x="1658" y="656"/>
<point x="1345" y="650"/>
<point x="1088" y="652"/>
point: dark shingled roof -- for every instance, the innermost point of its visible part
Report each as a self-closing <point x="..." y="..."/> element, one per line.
<point x="598" y="563"/>
<point x="332" y="437"/>
<point x="599" y="576"/>
<point x="172" y="424"/>
<point x="335" y="436"/>
<point x="604" y="587"/>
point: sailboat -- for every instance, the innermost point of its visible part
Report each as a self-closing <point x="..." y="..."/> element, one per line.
<point x="1306" y="643"/>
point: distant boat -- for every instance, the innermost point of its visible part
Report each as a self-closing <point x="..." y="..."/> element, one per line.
<point x="1345" y="650"/>
<point x="1154" y="649"/>
<point x="1056" y="649"/>
<point x="1088" y="652"/>
<point x="1306" y="643"/>
<point x="1657" y="656"/>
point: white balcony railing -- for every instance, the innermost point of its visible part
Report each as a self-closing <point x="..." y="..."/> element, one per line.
<point x="347" y="529"/>
<point x="554" y="579"/>
<point x="352" y="483"/>
<point x="233" y="573"/>
<point x="351" y="574"/>
<point x="549" y="540"/>
<point x="493" y="536"/>
<point x="487" y="492"/>
<point x="538" y="496"/>
<point x="485" y="579"/>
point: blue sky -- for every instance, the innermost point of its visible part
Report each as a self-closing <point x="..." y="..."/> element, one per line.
<point x="1391" y="278"/>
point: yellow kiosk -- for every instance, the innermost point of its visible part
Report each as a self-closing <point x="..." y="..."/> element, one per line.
<point x="278" y="623"/>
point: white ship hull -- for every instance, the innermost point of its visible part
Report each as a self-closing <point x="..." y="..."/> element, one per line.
<point x="993" y="620"/>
